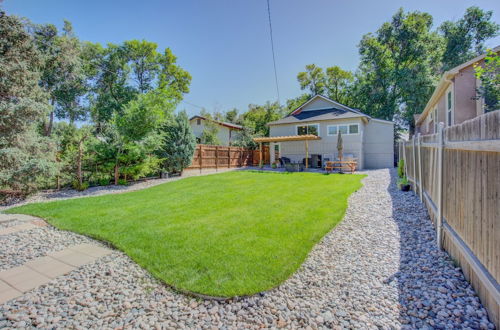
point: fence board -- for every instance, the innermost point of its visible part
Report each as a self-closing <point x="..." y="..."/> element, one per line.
<point x="210" y="156"/>
<point x="471" y="198"/>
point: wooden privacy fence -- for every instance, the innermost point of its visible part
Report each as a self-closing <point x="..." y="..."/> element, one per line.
<point x="456" y="173"/>
<point x="215" y="157"/>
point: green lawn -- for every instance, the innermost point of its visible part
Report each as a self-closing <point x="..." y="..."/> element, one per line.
<point x="229" y="234"/>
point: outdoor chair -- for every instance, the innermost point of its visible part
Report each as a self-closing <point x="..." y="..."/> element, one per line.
<point x="283" y="161"/>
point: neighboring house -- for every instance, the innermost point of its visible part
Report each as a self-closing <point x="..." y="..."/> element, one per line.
<point x="226" y="134"/>
<point x="369" y="140"/>
<point x="455" y="98"/>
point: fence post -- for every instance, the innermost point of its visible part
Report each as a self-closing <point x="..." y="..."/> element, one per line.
<point x="405" y="159"/>
<point x="420" y="183"/>
<point x="216" y="158"/>
<point x="414" y="163"/>
<point x="439" y="220"/>
<point x="228" y="157"/>
<point x="200" y="154"/>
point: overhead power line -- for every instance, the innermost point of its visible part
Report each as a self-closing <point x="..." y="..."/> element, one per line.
<point x="272" y="49"/>
<point x="192" y="104"/>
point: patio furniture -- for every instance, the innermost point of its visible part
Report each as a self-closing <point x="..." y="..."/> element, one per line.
<point x="283" y="161"/>
<point x="341" y="164"/>
<point x="294" y="167"/>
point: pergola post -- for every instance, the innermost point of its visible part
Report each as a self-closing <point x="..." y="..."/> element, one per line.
<point x="260" y="154"/>
<point x="307" y="154"/>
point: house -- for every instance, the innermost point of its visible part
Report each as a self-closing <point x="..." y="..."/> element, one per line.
<point x="227" y="132"/>
<point x="455" y="98"/>
<point x="369" y="140"/>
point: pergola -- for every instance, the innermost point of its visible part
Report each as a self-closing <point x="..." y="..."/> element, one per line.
<point x="304" y="138"/>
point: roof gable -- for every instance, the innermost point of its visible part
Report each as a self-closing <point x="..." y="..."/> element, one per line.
<point x="228" y="125"/>
<point x="320" y="102"/>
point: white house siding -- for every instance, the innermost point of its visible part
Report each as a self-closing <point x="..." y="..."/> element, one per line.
<point x="327" y="146"/>
<point x="378" y="139"/>
<point x="223" y="133"/>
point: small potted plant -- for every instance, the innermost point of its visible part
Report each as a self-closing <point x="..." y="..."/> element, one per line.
<point x="274" y="165"/>
<point x="404" y="185"/>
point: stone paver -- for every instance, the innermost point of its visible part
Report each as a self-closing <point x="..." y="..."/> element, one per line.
<point x="15" y="229"/>
<point x="7" y="292"/>
<point x="49" y="266"/>
<point x="23" y="278"/>
<point x="6" y="217"/>
<point x="18" y="280"/>
<point x="72" y="257"/>
<point x="91" y="250"/>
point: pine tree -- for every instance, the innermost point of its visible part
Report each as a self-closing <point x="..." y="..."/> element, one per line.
<point x="25" y="156"/>
<point x="178" y="144"/>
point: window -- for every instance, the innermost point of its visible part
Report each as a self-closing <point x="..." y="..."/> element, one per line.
<point x="449" y="109"/>
<point x="332" y="130"/>
<point x="308" y="129"/>
<point x="343" y="129"/>
<point x="198" y="121"/>
<point x="435" y="120"/>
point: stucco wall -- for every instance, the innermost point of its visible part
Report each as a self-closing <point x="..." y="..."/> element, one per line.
<point x="378" y="148"/>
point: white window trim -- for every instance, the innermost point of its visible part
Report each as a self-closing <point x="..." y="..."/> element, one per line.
<point x="346" y="124"/>
<point x="448" y="108"/>
<point x="307" y="124"/>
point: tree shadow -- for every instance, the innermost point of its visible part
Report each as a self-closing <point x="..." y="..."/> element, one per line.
<point x="433" y="292"/>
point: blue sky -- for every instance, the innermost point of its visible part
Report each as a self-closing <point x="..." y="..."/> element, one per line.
<point x="225" y="44"/>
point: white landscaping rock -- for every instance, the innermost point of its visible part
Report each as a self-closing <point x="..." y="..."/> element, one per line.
<point x="379" y="268"/>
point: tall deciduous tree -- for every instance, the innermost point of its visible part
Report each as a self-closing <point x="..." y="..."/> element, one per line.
<point x="489" y="74"/>
<point x="62" y="75"/>
<point x="338" y="85"/>
<point x="465" y="38"/>
<point x="25" y="156"/>
<point x="312" y="79"/>
<point x="399" y="67"/>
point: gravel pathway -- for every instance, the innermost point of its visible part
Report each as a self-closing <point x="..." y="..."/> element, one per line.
<point x="379" y="268"/>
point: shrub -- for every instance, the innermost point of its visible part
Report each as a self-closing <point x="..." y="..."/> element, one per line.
<point x="401" y="168"/>
<point x="122" y="182"/>
<point x="178" y="144"/>
<point x="103" y="182"/>
<point x="80" y="187"/>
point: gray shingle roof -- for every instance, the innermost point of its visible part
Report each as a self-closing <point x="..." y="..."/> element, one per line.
<point x="316" y="115"/>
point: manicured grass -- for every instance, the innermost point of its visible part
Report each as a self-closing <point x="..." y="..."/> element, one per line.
<point x="229" y="234"/>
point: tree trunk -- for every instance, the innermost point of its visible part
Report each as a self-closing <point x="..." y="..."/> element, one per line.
<point x="116" y="173"/>
<point x="79" y="164"/>
<point x="48" y="126"/>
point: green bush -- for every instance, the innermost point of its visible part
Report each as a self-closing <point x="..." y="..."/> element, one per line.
<point x="103" y="182"/>
<point x="401" y="168"/>
<point x="80" y="187"/>
<point x="122" y="182"/>
<point x="403" y="181"/>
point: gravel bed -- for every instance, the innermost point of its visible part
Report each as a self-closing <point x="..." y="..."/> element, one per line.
<point x="379" y="268"/>
<point x="20" y="247"/>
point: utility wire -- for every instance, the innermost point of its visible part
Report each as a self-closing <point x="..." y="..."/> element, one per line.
<point x="272" y="49"/>
<point x="192" y="104"/>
